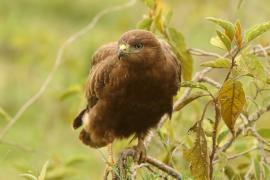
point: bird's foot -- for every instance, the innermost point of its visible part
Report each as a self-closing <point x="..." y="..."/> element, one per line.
<point x="110" y="163"/>
<point x="140" y="152"/>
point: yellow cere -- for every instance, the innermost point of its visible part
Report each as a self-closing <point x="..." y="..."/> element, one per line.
<point x="122" y="47"/>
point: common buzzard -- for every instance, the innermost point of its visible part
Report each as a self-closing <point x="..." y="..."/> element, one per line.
<point x="130" y="87"/>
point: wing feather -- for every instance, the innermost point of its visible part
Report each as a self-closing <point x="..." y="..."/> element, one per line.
<point x="102" y="63"/>
<point x="171" y="58"/>
<point x="101" y="66"/>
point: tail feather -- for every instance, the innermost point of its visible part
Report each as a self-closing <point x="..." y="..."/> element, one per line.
<point x="78" y="120"/>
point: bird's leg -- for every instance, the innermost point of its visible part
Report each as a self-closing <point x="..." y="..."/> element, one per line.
<point x="140" y="149"/>
<point x="110" y="161"/>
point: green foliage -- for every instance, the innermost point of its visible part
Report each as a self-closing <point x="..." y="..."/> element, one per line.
<point x="225" y="40"/>
<point x="218" y="63"/>
<point x="226" y="25"/>
<point x="264" y="132"/>
<point x="178" y="42"/>
<point x="256" y="31"/>
<point x="252" y="65"/>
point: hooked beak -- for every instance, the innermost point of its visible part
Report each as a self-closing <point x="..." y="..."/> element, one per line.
<point x="122" y="50"/>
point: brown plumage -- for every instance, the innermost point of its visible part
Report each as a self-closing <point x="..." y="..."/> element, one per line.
<point x="130" y="87"/>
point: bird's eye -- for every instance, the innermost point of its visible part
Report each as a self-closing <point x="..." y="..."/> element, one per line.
<point x="138" y="46"/>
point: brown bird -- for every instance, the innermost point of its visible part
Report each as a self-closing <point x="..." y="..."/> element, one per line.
<point x="130" y="87"/>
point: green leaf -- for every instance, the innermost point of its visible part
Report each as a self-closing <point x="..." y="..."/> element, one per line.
<point x="256" y="31"/>
<point x="178" y="44"/>
<point x="197" y="156"/>
<point x="231" y="98"/>
<point x="42" y="174"/>
<point x="226" y="25"/>
<point x="145" y="23"/>
<point x="266" y="171"/>
<point x="222" y="161"/>
<point x="225" y="40"/>
<point x="253" y="65"/>
<point x="150" y="3"/>
<point x="72" y="90"/>
<point x="4" y="114"/>
<point x="218" y="63"/>
<point x="222" y="136"/>
<point x="192" y="84"/>
<point x="168" y="17"/>
<point x="257" y="169"/>
<point x="215" y="41"/>
<point x="264" y="132"/>
<point x="190" y="99"/>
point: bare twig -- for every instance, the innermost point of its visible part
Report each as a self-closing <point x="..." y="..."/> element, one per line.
<point x="211" y="82"/>
<point x="199" y="52"/>
<point x="259" y="50"/>
<point x="58" y="61"/>
<point x="242" y="153"/>
<point x="169" y="170"/>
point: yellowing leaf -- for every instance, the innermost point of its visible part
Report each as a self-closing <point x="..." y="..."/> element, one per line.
<point x="231" y="99"/>
<point x="225" y="40"/>
<point x="238" y="34"/>
<point x="197" y="156"/>
<point x="256" y="31"/>
<point x="215" y="41"/>
<point x="179" y="46"/>
<point x="159" y="21"/>
<point x="218" y="63"/>
<point x="226" y="25"/>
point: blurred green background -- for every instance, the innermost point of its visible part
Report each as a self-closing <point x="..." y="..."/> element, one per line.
<point x="31" y="31"/>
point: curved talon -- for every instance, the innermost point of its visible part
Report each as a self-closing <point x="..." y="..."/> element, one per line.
<point x="140" y="153"/>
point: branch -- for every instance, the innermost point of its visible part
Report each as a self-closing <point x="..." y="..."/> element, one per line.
<point x="199" y="52"/>
<point x="242" y="153"/>
<point x="214" y="138"/>
<point x="259" y="50"/>
<point x="150" y="160"/>
<point x="58" y="61"/>
<point x="165" y="168"/>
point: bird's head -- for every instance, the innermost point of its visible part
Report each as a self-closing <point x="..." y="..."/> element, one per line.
<point x="137" y="46"/>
